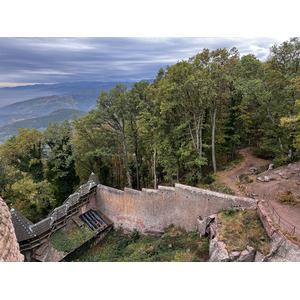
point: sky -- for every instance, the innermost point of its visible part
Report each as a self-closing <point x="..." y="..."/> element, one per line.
<point x="29" y="60"/>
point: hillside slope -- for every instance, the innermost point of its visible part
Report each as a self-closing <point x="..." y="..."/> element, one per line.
<point x="39" y="123"/>
<point x="41" y="106"/>
<point x="10" y="95"/>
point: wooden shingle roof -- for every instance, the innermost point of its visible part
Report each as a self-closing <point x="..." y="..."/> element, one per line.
<point x="22" y="226"/>
<point x="26" y="230"/>
<point x="41" y="226"/>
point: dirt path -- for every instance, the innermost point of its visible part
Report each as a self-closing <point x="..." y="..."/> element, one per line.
<point x="230" y="177"/>
<point x="284" y="178"/>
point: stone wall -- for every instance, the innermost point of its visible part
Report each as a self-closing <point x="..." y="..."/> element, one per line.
<point x="150" y="211"/>
<point x="9" y="247"/>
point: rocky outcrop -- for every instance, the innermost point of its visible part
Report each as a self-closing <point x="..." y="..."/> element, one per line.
<point x="9" y="247"/>
<point x="246" y="255"/>
<point x="217" y="249"/>
<point x="204" y="225"/>
<point x="281" y="249"/>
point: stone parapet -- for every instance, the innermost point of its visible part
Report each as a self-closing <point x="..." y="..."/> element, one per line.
<point x="152" y="210"/>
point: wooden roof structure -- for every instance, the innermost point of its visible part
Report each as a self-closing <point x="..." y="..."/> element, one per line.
<point x="26" y="230"/>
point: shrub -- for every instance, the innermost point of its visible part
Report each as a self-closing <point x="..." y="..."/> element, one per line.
<point x="244" y="178"/>
<point x="194" y="234"/>
<point x="209" y="179"/>
<point x="193" y="178"/>
<point x="265" y="152"/>
<point x="287" y="197"/>
<point x="231" y="211"/>
<point x="280" y="161"/>
<point x="262" y="169"/>
<point x="134" y="235"/>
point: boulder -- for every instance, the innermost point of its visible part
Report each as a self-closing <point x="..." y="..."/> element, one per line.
<point x="247" y="255"/>
<point x="283" y="175"/>
<point x="217" y="251"/>
<point x="259" y="257"/>
<point x="234" y="255"/>
<point x="203" y="225"/>
<point x="252" y="171"/>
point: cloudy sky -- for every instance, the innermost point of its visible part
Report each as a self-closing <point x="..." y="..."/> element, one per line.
<point x="51" y="60"/>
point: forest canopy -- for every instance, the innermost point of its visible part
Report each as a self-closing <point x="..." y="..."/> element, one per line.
<point x="180" y="127"/>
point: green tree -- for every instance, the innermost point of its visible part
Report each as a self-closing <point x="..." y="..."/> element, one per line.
<point x="25" y="152"/>
<point x="113" y="112"/>
<point x="93" y="148"/>
<point x="293" y="122"/>
<point x="32" y="199"/>
<point x="221" y="67"/>
<point x="61" y="160"/>
<point x="136" y="96"/>
<point x="148" y="124"/>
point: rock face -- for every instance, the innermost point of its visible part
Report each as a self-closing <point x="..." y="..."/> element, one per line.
<point x="218" y="251"/>
<point x="281" y="249"/>
<point x="9" y="247"/>
<point x="247" y="255"/>
<point x="203" y="225"/>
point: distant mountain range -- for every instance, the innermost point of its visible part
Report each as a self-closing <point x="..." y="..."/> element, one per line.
<point x="10" y="95"/>
<point x="41" y="106"/>
<point x="32" y="106"/>
<point x="40" y="123"/>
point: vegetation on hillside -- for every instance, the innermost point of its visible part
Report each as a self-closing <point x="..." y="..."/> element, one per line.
<point x="239" y="228"/>
<point x="181" y="127"/>
<point x="40" y="123"/>
<point x="174" y="245"/>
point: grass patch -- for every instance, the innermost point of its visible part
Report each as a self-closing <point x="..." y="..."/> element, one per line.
<point x="287" y="197"/>
<point x="293" y="238"/>
<point x="175" y="245"/>
<point x="68" y="241"/>
<point x="241" y="228"/>
<point x="218" y="186"/>
<point x="262" y="169"/>
<point x="230" y="165"/>
<point x="244" y="178"/>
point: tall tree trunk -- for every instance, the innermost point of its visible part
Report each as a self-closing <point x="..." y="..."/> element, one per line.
<point x="154" y="169"/>
<point x="129" y="181"/>
<point x="274" y="123"/>
<point x="201" y="141"/>
<point x="213" y="129"/>
<point x="134" y="131"/>
<point x="137" y="171"/>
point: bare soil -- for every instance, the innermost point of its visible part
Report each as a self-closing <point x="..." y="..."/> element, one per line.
<point x="282" y="179"/>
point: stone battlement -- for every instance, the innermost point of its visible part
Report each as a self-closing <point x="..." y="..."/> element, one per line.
<point x="153" y="210"/>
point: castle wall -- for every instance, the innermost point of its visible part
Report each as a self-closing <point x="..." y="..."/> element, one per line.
<point x="9" y="247"/>
<point x="150" y="211"/>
